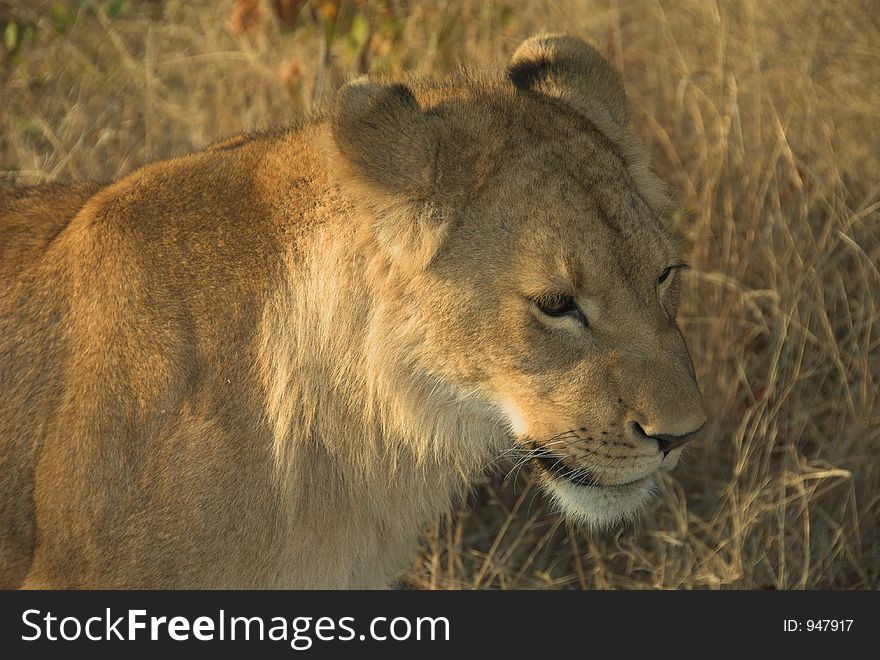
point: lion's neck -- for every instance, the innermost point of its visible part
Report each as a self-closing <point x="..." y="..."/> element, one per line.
<point x="363" y="444"/>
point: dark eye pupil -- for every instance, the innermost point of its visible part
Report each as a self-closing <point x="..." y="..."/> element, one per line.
<point x="558" y="306"/>
<point x="664" y="276"/>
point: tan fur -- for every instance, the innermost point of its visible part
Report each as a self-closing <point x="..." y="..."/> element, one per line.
<point x="270" y="363"/>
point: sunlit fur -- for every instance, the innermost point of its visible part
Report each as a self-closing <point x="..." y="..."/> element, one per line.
<point x="271" y="363"/>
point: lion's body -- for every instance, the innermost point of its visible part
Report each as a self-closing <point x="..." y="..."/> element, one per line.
<point x="142" y="392"/>
<point x="224" y="370"/>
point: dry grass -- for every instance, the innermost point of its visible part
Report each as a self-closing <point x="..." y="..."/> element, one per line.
<point x="762" y="115"/>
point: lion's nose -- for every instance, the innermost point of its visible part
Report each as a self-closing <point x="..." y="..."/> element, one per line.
<point x="666" y="441"/>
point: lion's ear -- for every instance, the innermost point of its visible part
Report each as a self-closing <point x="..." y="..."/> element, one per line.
<point x="389" y="145"/>
<point x="381" y="131"/>
<point x="568" y="69"/>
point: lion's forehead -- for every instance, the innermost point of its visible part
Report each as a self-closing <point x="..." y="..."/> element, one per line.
<point x="561" y="217"/>
<point x="550" y="186"/>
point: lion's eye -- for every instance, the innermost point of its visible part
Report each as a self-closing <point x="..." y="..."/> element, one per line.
<point x="559" y="306"/>
<point x="668" y="271"/>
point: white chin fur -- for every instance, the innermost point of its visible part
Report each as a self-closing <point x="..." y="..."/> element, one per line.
<point x="600" y="507"/>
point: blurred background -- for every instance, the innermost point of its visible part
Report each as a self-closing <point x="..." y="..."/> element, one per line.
<point x="763" y="117"/>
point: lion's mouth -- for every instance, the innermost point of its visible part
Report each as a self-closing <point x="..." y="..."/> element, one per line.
<point x="553" y="466"/>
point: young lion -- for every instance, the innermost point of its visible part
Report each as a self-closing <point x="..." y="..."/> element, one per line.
<point x="270" y="363"/>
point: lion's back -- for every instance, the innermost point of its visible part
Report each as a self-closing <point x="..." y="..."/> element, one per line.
<point x="31" y="216"/>
<point x="30" y="219"/>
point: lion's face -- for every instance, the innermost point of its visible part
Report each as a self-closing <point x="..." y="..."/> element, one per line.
<point x="557" y="300"/>
<point x="542" y="278"/>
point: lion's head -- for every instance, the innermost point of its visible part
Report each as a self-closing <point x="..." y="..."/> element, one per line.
<point x="523" y="224"/>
